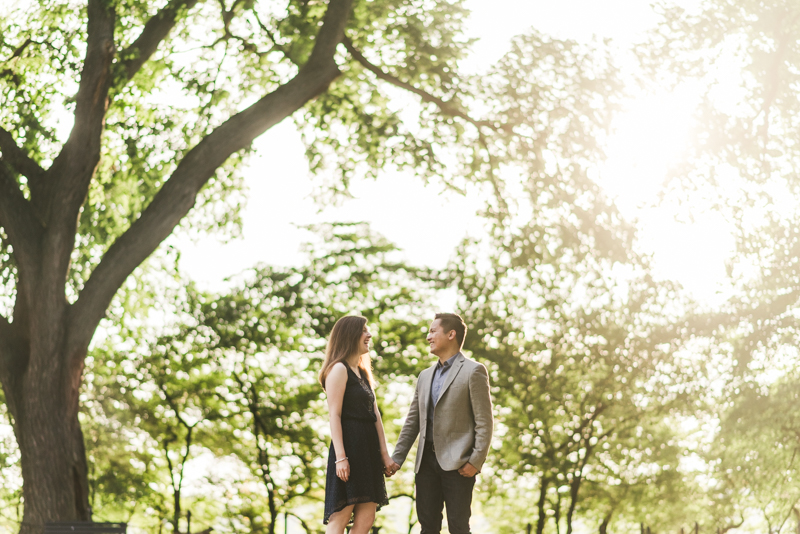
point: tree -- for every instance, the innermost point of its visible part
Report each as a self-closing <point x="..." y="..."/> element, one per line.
<point x="44" y="346"/>
<point x="232" y="377"/>
<point x="743" y="161"/>
<point x="583" y="385"/>
<point x="78" y="215"/>
<point x="756" y="453"/>
<point x="744" y="153"/>
<point x="581" y="345"/>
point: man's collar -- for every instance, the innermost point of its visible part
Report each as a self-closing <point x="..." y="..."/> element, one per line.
<point x="449" y="361"/>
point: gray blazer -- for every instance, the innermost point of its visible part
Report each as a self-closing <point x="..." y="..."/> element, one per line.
<point x="462" y="423"/>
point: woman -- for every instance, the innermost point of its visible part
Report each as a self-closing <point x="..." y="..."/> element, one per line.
<point x="358" y="456"/>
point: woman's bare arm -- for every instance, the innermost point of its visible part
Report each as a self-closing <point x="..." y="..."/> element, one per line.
<point x="389" y="465"/>
<point x="335" y="384"/>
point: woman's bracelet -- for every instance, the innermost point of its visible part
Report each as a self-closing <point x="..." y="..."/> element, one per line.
<point x="342" y="460"/>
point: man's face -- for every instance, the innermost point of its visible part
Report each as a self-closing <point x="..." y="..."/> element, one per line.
<point x="439" y="340"/>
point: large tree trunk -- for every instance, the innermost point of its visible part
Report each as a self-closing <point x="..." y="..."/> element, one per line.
<point x="53" y="466"/>
<point x="42" y="393"/>
<point x="43" y="348"/>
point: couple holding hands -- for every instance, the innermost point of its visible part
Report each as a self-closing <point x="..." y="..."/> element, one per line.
<point x="451" y="412"/>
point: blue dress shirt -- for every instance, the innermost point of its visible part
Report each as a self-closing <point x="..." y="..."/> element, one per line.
<point x="439" y="376"/>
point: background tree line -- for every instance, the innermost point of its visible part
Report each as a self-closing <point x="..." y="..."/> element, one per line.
<point x="620" y="402"/>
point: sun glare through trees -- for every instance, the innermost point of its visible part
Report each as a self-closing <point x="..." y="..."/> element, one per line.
<point x="194" y="192"/>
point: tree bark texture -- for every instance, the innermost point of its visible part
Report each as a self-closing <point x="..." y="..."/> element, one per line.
<point x="43" y="346"/>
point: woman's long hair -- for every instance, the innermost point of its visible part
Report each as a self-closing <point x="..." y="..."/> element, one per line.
<point x="343" y="343"/>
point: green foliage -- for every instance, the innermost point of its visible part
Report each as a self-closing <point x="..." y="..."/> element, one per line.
<point x="743" y="152"/>
<point x="358" y="126"/>
<point x="742" y="160"/>
<point x="583" y="354"/>
<point x="757" y="449"/>
<point x="217" y="59"/>
<point x="583" y="345"/>
<point x="232" y="379"/>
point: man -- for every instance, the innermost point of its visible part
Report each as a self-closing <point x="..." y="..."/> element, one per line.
<point x="452" y="414"/>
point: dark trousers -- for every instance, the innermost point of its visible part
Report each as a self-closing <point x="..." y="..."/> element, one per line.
<point x="437" y="488"/>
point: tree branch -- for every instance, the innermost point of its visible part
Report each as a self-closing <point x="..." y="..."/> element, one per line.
<point x="19" y="50"/>
<point x="287" y="53"/>
<point x="228" y="14"/>
<point x="73" y="169"/>
<point x="17" y="218"/>
<point x="155" y="31"/>
<point x="447" y="107"/>
<point x="303" y="524"/>
<point x="17" y="158"/>
<point x="493" y="179"/>
<point x="179" y="193"/>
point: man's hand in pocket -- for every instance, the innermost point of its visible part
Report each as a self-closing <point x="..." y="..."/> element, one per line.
<point x="467" y="470"/>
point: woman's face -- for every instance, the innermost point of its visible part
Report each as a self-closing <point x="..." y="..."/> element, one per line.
<point x="363" y="344"/>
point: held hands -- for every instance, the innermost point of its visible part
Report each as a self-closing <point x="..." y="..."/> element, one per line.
<point x="343" y="469"/>
<point x="467" y="470"/>
<point x="390" y="467"/>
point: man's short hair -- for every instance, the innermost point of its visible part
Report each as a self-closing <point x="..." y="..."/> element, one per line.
<point x="453" y="321"/>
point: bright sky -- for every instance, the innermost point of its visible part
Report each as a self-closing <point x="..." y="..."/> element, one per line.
<point x="649" y="135"/>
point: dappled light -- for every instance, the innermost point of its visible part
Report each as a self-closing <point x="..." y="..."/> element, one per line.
<point x="192" y="195"/>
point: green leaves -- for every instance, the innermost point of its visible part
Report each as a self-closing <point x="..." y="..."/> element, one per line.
<point x="581" y="342"/>
<point x="581" y="350"/>
<point x="233" y="378"/>
<point x="742" y="163"/>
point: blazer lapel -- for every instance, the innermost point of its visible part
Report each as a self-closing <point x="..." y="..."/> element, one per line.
<point x="451" y="375"/>
<point x="425" y="379"/>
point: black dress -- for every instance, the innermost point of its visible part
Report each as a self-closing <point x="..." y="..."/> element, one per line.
<point x="362" y="448"/>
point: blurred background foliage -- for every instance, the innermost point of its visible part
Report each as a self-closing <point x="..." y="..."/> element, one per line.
<point x="620" y="402"/>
